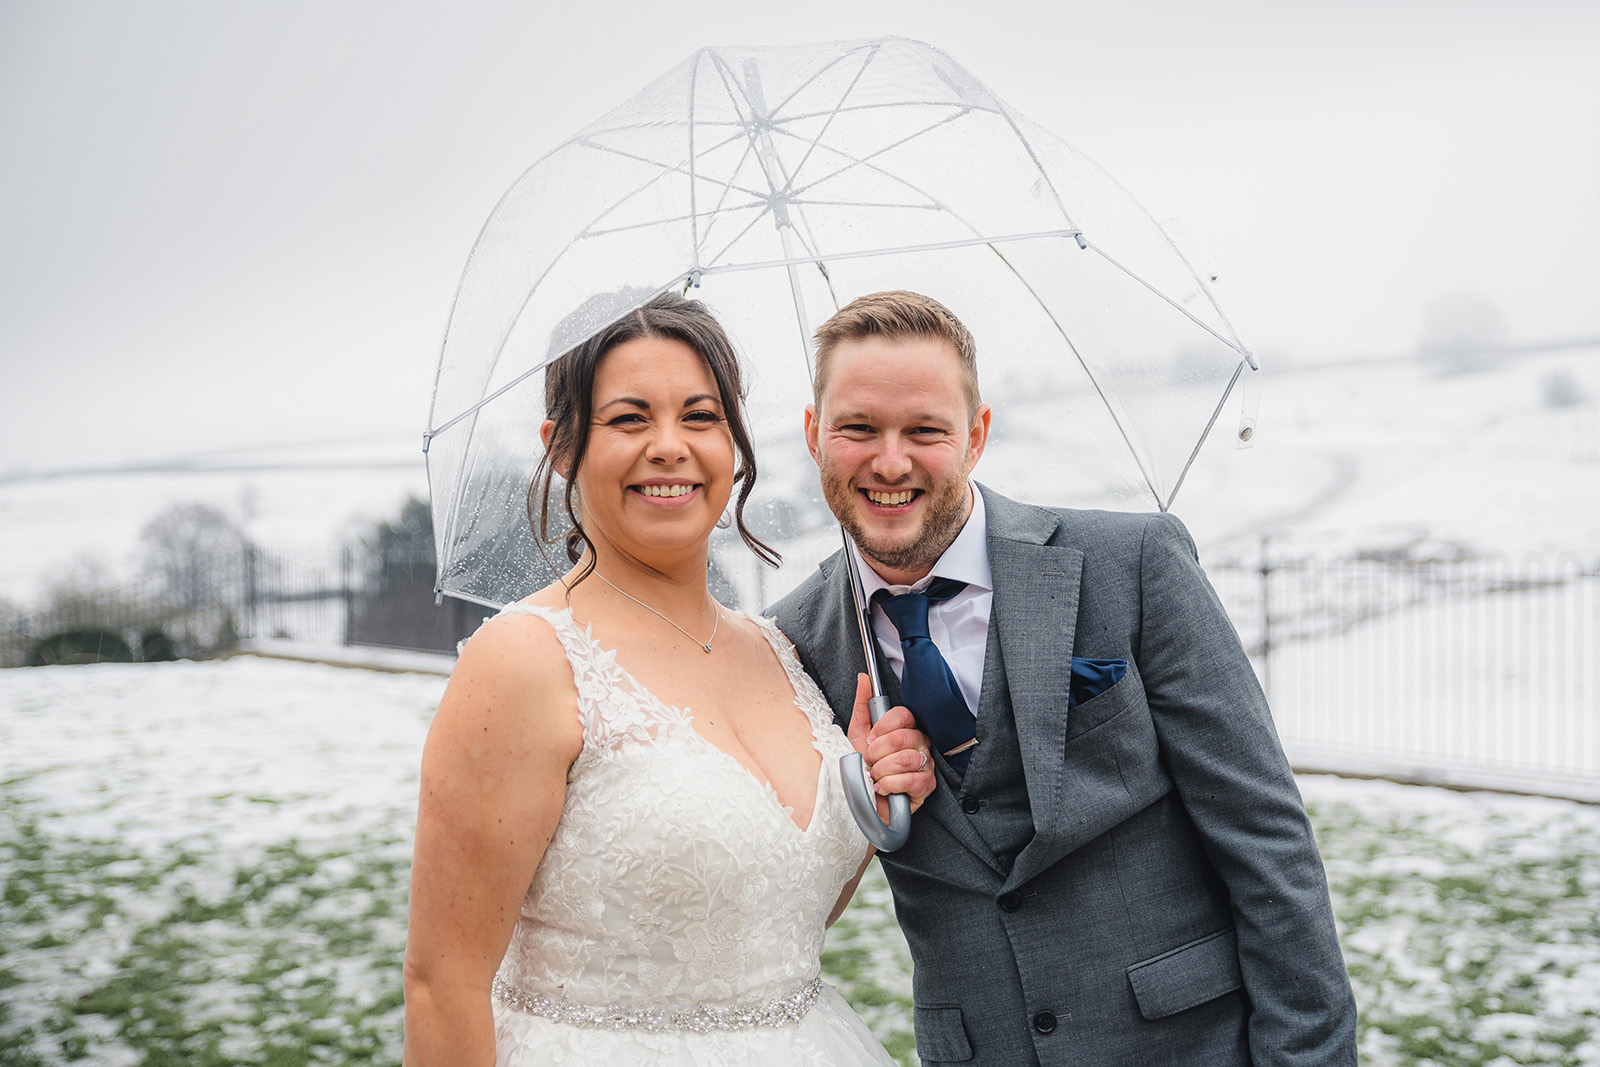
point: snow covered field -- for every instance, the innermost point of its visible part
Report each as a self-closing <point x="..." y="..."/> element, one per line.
<point x="205" y="863"/>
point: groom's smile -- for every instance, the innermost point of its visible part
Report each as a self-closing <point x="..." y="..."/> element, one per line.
<point x="895" y="439"/>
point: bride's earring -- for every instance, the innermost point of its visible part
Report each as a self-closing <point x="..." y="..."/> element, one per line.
<point x="726" y="522"/>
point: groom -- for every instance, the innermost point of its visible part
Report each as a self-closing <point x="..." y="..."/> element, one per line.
<point x="1116" y="870"/>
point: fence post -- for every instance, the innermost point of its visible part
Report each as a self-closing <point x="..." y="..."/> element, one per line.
<point x="349" y="595"/>
<point x="251" y="593"/>
<point x="1266" y="619"/>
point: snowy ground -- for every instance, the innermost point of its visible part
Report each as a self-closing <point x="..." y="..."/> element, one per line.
<point x="205" y="863"/>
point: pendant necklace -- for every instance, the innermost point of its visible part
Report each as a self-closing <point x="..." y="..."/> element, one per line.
<point x="706" y="644"/>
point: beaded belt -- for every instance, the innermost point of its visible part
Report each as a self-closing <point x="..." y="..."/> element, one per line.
<point x="775" y="1012"/>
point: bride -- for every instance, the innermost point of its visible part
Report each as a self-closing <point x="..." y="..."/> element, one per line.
<point x="630" y="835"/>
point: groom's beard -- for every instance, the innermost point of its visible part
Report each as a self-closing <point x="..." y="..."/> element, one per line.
<point x="945" y="514"/>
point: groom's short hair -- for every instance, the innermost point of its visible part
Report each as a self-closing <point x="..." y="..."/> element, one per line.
<point x="897" y="315"/>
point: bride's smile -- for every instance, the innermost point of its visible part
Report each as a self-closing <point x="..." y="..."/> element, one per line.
<point x="659" y="468"/>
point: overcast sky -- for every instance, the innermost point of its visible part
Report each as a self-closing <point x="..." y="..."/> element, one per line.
<point x="229" y="223"/>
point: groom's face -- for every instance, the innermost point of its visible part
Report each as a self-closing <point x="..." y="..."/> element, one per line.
<point x="895" y="441"/>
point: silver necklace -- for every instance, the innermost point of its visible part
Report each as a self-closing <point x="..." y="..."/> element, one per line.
<point x="706" y="644"/>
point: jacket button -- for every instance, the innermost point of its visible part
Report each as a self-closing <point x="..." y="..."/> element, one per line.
<point x="1011" y="901"/>
<point x="970" y="805"/>
<point x="1045" y="1022"/>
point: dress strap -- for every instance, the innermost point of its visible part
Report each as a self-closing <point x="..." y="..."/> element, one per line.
<point x="574" y="642"/>
<point x="612" y="705"/>
<point x="806" y="692"/>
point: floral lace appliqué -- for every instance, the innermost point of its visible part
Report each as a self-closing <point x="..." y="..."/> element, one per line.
<point x="676" y="880"/>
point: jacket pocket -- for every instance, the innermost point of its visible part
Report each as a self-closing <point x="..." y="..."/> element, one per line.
<point x="1187" y="976"/>
<point x="941" y="1035"/>
<point x="1103" y="707"/>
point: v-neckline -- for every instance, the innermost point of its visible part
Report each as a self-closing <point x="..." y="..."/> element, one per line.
<point x="687" y="714"/>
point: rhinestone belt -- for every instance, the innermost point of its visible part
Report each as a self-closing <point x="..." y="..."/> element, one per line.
<point x="775" y="1012"/>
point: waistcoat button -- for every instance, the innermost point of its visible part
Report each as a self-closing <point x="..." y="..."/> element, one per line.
<point x="970" y="805"/>
<point x="1044" y="1022"/>
<point x="1011" y="901"/>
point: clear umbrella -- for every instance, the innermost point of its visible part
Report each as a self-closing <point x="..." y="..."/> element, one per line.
<point x="777" y="184"/>
<point x="781" y="183"/>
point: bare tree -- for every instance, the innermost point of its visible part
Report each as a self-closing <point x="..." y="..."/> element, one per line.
<point x="198" y="555"/>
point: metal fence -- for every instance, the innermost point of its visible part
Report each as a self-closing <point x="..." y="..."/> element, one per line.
<point x="1484" y="664"/>
<point x="308" y="596"/>
<point x="1447" y="667"/>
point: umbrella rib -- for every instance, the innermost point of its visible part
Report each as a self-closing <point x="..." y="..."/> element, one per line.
<point x="1185" y="311"/>
<point x="866" y="203"/>
<point x="694" y="206"/>
<point x="666" y="169"/>
<point x="726" y="188"/>
<point x="898" y="105"/>
<point x="580" y="235"/>
<point x="933" y="246"/>
<point x="525" y="375"/>
<point x="730" y="84"/>
<point x="740" y="106"/>
<point x="628" y="227"/>
<point x="800" y="166"/>
<point x="866" y="161"/>
<point x="809" y="239"/>
<point x="871" y="47"/>
<point x="1200" y="442"/>
<point x="1126" y="440"/>
<point x="763" y="213"/>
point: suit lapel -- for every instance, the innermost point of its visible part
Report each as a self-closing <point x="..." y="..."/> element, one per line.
<point x="835" y="635"/>
<point x="1035" y="612"/>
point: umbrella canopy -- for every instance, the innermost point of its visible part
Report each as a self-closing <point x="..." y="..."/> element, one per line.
<point x="778" y="184"/>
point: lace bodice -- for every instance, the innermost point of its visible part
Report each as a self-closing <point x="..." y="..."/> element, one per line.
<point x="676" y="880"/>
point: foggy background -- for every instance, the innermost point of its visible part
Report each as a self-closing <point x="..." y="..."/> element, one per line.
<point x="230" y="233"/>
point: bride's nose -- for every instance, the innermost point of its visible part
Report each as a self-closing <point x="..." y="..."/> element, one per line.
<point x="668" y="444"/>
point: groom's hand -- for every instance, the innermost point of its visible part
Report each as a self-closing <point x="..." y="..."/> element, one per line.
<point x="895" y="751"/>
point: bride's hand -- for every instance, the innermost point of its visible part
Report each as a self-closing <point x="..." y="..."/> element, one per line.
<point x="895" y="751"/>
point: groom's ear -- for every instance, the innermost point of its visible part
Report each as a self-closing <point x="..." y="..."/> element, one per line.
<point x="978" y="435"/>
<point x="811" y="432"/>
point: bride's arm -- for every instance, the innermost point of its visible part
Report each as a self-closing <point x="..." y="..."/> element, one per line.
<point x="494" y="773"/>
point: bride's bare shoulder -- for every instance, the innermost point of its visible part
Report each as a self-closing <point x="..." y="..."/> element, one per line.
<point x="516" y="658"/>
<point x="517" y="640"/>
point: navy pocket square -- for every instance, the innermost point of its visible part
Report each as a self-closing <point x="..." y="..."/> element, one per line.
<point x="1091" y="677"/>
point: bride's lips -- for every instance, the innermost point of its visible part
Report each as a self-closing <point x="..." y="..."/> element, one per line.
<point x="667" y="494"/>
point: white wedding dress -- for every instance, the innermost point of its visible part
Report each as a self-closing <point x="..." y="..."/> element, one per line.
<point x="678" y="914"/>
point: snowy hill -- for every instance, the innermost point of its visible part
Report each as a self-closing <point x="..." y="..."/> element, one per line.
<point x="1376" y="457"/>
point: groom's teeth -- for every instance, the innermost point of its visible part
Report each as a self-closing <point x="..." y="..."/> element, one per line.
<point x="891" y="499"/>
<point x="666" y="490"/>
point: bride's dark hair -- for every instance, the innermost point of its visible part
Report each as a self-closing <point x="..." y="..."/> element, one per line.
<point x="569" y="404"/>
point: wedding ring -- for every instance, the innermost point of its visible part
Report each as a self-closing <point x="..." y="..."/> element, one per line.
<point x="924" y="762"/>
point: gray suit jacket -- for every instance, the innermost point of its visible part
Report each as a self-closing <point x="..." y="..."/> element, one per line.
<point x="1170" y="906"/>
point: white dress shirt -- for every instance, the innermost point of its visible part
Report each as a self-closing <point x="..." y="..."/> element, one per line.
<point x="958" y="626"/>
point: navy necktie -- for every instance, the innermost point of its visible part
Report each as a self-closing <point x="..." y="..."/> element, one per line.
<point x="926" y="686"/>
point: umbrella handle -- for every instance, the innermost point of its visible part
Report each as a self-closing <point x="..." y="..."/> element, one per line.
<point x="862" y="797"/>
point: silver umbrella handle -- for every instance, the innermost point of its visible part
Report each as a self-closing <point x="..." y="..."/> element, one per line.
<point x="859" y="791"/>
<point x="860" y="794"/>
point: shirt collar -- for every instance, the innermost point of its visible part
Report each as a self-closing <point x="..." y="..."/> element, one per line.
<point x="966" y="560"/>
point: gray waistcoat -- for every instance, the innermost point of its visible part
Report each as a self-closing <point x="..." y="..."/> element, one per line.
<point x="994" y="779"/>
